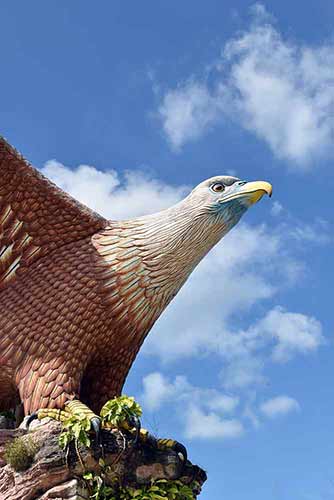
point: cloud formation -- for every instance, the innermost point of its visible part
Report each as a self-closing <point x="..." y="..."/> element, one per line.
<point x="113" y="195"/>
<point x="281" y="91"/>
<point x="187" y="113"/>
<point x="158" y="390"/>
<point x="248" y="268"/>
<point x="278" y="406"/>
<point x="292" y="332"/>
<point x="202" y="425"/>
<point x="204" y="413"/>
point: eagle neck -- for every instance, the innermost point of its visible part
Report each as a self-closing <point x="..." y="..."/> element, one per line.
<point x="173" y="242"/>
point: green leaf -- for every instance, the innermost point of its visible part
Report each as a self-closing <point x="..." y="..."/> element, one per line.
<point x="118" y="410"/>
<point x="88" y="475"/>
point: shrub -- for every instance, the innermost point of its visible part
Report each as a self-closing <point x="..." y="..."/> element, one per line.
<point x="20" y="453"/>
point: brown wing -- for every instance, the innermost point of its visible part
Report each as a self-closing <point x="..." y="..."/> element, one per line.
<point x="35" y="215"/>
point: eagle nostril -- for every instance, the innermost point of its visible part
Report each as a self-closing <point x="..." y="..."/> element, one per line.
<point x="241" y="183"/>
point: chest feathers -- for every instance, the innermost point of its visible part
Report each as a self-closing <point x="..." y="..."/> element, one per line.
<point x="142" y="264"/>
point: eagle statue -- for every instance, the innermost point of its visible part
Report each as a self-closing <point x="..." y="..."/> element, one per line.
<point x="79" y="293"/>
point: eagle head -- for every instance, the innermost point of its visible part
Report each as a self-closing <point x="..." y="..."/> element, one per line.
<point x="226" y="198"/>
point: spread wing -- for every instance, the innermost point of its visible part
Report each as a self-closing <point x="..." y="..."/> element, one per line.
<point x="36" y="216"/>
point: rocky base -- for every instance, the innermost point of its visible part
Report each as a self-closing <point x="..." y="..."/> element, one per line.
<point x="52" y="474"/>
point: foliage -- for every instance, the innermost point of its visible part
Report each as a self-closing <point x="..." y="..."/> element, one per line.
<point x="115" y="412"/>
<point x="119" y="410"/>
<point x="20" y="453"/>
<point x="157" y="490"/>
<point x="97" y="487"/>
<point x="75" y="429"/>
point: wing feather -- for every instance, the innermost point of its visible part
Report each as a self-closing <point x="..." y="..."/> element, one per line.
<point x="36" y="216"/>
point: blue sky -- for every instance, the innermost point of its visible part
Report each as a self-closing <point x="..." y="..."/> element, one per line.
<point x="127" y="106"/>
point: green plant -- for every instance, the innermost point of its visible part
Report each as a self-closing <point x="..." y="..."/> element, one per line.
<point x="95" y="484"/>
<point x="158" y="490"/>
<point x="75" y="429"/>
<point x="116" y="413"/>
<point x="20" y="453"/>
<point x="119" y="410"/>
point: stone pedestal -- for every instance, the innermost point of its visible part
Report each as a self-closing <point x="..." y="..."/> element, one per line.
<point x="52" y="474"/>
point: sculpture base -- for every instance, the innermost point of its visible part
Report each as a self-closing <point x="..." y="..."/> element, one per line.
<point x="51" y="474"/>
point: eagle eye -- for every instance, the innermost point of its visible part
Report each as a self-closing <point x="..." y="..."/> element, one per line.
<point x="217" y="187"/>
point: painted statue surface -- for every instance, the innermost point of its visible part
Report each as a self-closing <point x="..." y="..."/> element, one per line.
<point x="79" y="293"/>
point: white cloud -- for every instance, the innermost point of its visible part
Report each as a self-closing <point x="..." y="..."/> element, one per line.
<point x="114" y="196"/>
<point x="187" y="113"/>
<point x="207" y="413"/>
<point x="200" y="425"/>
<point x="223" y="404"/>
<point x="247" y="268"/>
<point x="260" y="14"/>
<point x="280" y="405"/>
<point x="279" y="90"/>
<point x="318" y="232"/>
<point x="159" y="390"/>
<point x="232" y="277"/>
<point x="280" y="333"/>
<point x="251" y="415"/>
<point x="276" y="208"/>
<point x="243" y="371"/>
<point x="202" y="411"/>
<point x="292" y="332"/>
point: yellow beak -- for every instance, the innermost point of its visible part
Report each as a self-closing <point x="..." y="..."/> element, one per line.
<point x="252" y="191"/>
<point x="257" y="189"/>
